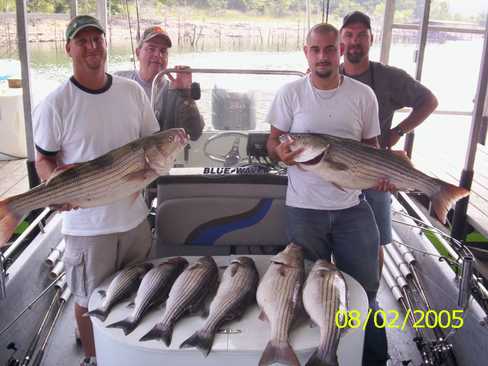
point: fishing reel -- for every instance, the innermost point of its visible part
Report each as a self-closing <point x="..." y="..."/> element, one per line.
<point x="435" y="353"/>
<point x="12" y="361"/>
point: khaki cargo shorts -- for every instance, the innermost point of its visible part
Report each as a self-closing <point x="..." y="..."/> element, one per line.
<point x="88" y="260"/>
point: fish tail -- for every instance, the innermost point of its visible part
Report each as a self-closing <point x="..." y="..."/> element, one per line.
<point x="127" y="325"/>
<point x="317" y="360"/>
<point x="159" y="331"/>
<point x="201" y="340"/>
<point x="9" y="219"/>
<point x="445" y="197"/>
<point x="100" y="313"/>
<point x="278" y="352"/>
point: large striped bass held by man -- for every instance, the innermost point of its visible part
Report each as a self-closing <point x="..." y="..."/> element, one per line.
<point x="350" y="164"/>
<point x="117" y="174"/>
<point x="324" y="295"/>
<point x="280" y="300"/>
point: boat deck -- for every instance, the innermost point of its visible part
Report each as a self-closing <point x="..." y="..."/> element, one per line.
<point x="13" y="179"/>
<point x="448" y="167"/>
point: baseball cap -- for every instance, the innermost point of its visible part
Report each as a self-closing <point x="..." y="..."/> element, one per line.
<point x="356" y="17"/>
<point x="153" y="32"/>
<point x="81" y="22"/>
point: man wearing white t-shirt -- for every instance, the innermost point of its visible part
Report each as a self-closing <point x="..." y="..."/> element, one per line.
<point x="323" y="218"/>
<point x="87" y="116"/>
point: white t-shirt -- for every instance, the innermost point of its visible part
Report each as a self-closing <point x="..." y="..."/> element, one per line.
<point x="349" y="111"/>
<point x="81" y="125"/>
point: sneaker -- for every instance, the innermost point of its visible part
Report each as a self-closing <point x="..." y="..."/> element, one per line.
<point x="89" y="361"/>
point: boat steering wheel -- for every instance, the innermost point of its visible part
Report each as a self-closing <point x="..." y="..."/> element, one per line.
<point x="233" y="157"/>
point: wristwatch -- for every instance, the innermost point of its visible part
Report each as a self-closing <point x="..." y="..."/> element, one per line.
<point x="399" y="131"/>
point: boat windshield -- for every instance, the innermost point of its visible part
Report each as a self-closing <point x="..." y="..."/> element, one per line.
<point x="234" y="104"/>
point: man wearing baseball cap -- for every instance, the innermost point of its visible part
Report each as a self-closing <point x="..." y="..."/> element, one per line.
<point x="394" y="89"/>
<point x="87" y="116"/>
<point x="174" y="105"/>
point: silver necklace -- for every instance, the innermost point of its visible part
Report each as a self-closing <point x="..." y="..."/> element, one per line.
<point x="330" y="94"/>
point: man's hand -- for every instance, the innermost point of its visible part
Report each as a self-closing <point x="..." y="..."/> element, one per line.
<point x="384" y="185"/>
<point x="393" y="138"/>
<point x="183" y="79"/>
<point x="284" y="152"/>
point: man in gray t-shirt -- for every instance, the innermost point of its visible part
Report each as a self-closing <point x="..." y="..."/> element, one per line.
<point x="394" y="89"/>
<point x="174" y="105"/>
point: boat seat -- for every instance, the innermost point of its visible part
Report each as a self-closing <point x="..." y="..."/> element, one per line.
<point x="219" y="224"/>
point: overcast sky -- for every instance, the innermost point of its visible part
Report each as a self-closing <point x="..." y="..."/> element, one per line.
<point x="468" y="7"/>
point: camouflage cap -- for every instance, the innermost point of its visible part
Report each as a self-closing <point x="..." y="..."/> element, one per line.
<point x="153" y="32"/>
<point x="81" y="22"/>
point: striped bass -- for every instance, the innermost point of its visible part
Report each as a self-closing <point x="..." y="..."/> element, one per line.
<point x="236" y="292"/>
<point x="350" y="164"/>
<point x="123" y="284"/>
<point x="279" y="297"/>
<point x="153" y="291"/>
<point x="324" y="294"/>
<point x="188" y="294"/>
<point x="108" y="178"/>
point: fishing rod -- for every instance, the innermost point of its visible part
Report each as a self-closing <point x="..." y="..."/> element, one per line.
<point x="62" y="302"/>
<point x="130" y="34"/>
<point x="28" y="307"/>
<point x="32" y="346"/>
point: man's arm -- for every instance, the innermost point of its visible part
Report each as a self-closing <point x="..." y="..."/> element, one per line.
<point x="372" y="142"/>
<point x="45" y="165"/>
<point x="414" y="119"/>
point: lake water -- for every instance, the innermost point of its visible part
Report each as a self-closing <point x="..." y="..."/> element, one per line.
<point x="451" y="71"/>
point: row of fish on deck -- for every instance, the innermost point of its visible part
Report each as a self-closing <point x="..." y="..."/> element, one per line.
<point x="281" y="295"/>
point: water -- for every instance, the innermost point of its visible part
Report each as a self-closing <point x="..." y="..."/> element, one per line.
<point x="451" y="71"/>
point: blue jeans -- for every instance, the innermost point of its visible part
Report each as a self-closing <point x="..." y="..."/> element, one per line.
<point x="380" y="203"/>
<point x="350" y="235"/>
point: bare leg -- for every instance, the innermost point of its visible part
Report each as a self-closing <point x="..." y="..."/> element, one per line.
<point x="86" y="331"/>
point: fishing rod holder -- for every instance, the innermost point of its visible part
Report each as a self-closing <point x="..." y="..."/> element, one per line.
<point x="465" y="282"/>
<point x="3" y="277"/>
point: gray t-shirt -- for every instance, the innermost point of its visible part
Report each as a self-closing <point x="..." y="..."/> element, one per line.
<point x="394" y="89"/>
<point x="173" y="108"/>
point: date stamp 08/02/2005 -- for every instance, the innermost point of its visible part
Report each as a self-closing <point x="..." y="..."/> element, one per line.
<point x="391" y="319"/>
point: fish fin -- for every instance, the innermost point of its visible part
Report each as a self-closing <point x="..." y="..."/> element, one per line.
<point x="102" y="293"/>
<point x="98" y="313"/>
<point x="445" y="197"/>
<point x="234" y="270"/>
<point x="338" y="187"/>
<point x="315" y="360"/>
<point x="201" y="340"/>
<point x="9" y="220"/>
<point x="127" y="325"/>
<point x="262" y="316"/>
<point x="159" y="331"/>
<point x="278" y="352"/>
